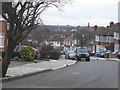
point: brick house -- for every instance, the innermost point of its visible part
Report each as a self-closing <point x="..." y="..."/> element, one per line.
<point x="104" y="38"/>
<point x="116" y="37"/>
<point x="3" y="35"/>
<point x="70" y="43"/>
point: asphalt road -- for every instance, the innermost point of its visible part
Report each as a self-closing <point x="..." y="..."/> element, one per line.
<point x="93" y="74"/>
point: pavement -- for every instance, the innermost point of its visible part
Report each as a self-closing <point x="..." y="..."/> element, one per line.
<point x="106" y="59"/>
<point x="28" y="69"/>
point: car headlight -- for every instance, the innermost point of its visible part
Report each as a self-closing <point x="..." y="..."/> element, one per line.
<point x="87" y="54"/>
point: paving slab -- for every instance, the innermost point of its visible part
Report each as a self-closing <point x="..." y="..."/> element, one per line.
<point x="33" y="68"/>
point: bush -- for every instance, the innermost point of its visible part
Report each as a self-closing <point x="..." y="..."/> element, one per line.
<point x="27" y="53"/>
<point x="47" y="48"/>
<point x="55" y="55"/>
<point x="49" y="52"/>
<point x="45" y="54"/>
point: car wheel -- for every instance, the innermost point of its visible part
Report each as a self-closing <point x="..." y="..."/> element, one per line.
<point x="118" y="57"/>
<point x="65" y="57"/>
<point x="88" y="59"/>
<point x="78" y="59"/>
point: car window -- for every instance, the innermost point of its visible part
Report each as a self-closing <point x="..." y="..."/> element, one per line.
<point x="71" y="52"/>
<point x="82" y="50"/>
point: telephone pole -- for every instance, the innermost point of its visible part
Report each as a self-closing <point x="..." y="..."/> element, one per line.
<point x="118" y="25"/>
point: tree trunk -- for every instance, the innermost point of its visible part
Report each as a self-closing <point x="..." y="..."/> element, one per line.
<point x="8" y="55"/>
<point x="5" y="65"/>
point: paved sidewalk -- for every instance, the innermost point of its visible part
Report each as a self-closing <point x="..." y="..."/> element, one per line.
<point x="34" y="68"/>
<point x="108" y="59"/>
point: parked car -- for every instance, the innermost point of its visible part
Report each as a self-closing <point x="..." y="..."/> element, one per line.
<point x="82" y="53"/>
<point x="16" y="52"/>
<point x="70" y="55"/>
<point x="103" y="53"/>
<point x="118" y="54"/>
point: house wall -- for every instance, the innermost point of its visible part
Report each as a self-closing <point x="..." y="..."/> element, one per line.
<point x="55" y="43"/>
<point x="116" y="38"/>
<point x="3" y="35"/>
<point x="116" y="47"/>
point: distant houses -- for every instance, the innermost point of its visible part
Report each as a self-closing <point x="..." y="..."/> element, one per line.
<point x="105" y="38"/>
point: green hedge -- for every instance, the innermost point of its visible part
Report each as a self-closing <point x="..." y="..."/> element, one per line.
<point x="27" y="53"/>
<point x="50" y="54"/>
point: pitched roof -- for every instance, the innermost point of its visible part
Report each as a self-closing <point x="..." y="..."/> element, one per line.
<point x="115" y="28"/>
<point x="100" y="31"/>
<point x="108" y="31"/>
<point x="68" y="38"/>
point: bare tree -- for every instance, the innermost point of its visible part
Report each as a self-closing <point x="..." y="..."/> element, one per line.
<point x="23" y="16"/>
<point x="84" y="36"/>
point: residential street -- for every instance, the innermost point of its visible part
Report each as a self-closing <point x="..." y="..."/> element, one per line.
<point x="93" y="74"/>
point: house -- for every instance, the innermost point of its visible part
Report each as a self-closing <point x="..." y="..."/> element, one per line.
<point x="69" y="43"/>
<point x="56" y="40"/>
<point x="99" y="39"/>
<point x="116" y="37"/>
<point x="3" y="35"/>
<point x="104" y="38"/>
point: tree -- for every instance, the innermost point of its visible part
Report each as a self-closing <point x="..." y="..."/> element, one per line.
<point x="83" y="36"/>
<point x="23" y="17"/>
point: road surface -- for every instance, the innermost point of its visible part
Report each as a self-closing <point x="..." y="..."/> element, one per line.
<point x="93" y="74"/>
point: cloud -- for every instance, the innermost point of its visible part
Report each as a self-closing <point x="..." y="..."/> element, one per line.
<point x="80" y="12"/>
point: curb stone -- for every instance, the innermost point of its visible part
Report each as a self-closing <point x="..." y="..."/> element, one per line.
<point x="106" y="59"/>
<point x="7" y="79"/>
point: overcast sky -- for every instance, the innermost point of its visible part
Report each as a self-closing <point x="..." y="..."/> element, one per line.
<point x="80" y="12"/>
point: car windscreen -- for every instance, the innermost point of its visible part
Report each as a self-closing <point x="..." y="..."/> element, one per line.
<point x="82" y="50"/>
<point x="71" y="52"/>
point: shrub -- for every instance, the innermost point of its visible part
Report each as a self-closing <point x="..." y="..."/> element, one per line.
<point x="49" y="52"/>
<point x="47" y="48"/>
<point x="27" y="53"/>
<point x="54" y="55"/>
<point x="45" y="54"/>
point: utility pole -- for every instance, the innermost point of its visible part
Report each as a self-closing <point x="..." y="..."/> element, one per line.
<point x="119" y="26"/>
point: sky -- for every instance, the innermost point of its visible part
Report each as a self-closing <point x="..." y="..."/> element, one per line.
<point x="82" y="12"/>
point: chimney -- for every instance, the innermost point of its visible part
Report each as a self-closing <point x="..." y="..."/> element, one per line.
<point x="88" y="25"/>
<point x="111" y="24"/>
<point x="95" y="27"/>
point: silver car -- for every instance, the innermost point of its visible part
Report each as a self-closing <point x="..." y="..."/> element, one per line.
<point x="70" y="55"/>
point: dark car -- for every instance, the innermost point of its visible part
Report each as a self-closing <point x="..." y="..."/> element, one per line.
<point x="103" y="53"/>
<point x="82" y="53"/>
<point x="118" y="54"/>
<point x="17" y="49"/>
<point x="16" y="52"/>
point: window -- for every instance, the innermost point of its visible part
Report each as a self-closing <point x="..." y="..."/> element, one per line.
<point x="97" y="38"/>
<point x="1" y="39"/>
<point x="116" y="35"/>
<point x="116" y="47"/>
<point x="107" y="39"/>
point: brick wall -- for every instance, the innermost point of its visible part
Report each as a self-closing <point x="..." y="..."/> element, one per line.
<point x="3" y="28"/>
